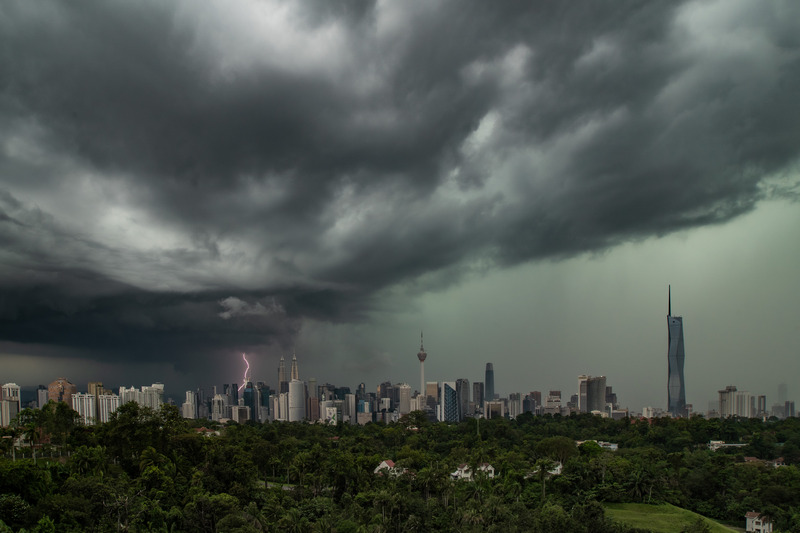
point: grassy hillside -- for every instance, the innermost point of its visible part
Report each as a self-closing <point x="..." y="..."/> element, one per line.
<point x="664" y="518"/>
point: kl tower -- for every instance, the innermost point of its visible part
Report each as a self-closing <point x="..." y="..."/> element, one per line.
<point x="422" y="356"/>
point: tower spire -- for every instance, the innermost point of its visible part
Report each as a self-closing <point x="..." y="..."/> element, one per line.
<point x="669" y="300"/>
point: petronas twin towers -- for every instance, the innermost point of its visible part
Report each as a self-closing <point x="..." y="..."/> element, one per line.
<point x="676" y="388"/>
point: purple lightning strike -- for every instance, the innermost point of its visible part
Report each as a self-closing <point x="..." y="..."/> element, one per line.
<point x="246" y="370"/>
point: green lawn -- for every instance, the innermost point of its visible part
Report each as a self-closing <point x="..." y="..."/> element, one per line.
<point x="664" y="518"/>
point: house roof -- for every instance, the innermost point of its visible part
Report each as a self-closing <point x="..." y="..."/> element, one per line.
<point x="389" y="463"/>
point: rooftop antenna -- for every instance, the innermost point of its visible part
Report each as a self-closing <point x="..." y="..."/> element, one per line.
<point x="669" y="299"/>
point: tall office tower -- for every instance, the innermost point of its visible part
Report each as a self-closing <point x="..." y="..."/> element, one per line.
<point x="596" y="394"/>
<point x="61" y="390"/>
<point x="249" y="395"/>
<point x="349" y="408"/>
<point x="313" y="409"/>
<point x="404" y="398"/>
<point x="84" y="405"/>
<point x="218" y="407"/>
<point x="432" y="393"/>
<point x="421" y="355"/>
<point x="762" y="405"/>
<point x="295" y="372"/>
<point x="676" y="389"/>
<point x="385" y="390"/>
<point x="489" y="382"/>
<point x="95" y="388"/>
<point x="537" y="397"/>
<point x="312" y="388"/>
<point x="582" y="405"/>
<point x="41" y="396"/>
<point x="611" y="397"/>
<point x="528" y="404"/>
<point x="727" y="404"/>
<point x="297" y="400"/>
<point x="235" y="393"/>
<point x="283" y="379"/>
<point x="477" y="393"/>
<point x="462" y="392"/>
<point x="107" y="404"/>
<point x="448" y="402"/>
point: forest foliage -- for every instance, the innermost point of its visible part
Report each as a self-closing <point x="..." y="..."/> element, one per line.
<point x="151" y="470"/>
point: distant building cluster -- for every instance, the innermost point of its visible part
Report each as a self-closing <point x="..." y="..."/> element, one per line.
<point x="452" y="400"/>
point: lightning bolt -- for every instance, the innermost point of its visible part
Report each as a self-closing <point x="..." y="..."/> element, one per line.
<point x="246" y="370"/>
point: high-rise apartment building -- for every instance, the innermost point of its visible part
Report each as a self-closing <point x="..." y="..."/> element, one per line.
<point x="676" y="388"/>
<point x="733" y="402"/>
<point x="106" y="404"/>
<point x="489" y="382"/>
<point x="10" y="403"/>
<point x="41" y="396"/>
<point x="85" y="405"/>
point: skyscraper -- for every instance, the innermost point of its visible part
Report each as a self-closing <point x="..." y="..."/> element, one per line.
<point x="489" y="382"/>
<point x="595" y="394"/>
<point x="283" y="383"/>
<point x="448" y="402"/>
<point x="477" y="393"/>
<point x="421" y="355"/>
<point x="676" y="389"/>
<point x="295" y="371"/>
<point x="462" y="392"/>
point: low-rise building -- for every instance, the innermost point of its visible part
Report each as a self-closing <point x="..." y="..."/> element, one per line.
<point x="757" y="523"/>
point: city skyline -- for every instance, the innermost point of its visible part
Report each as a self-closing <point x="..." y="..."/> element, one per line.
<point x="189" y="182"/>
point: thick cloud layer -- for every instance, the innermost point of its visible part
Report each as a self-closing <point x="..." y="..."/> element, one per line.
<point x="180" y="178"/>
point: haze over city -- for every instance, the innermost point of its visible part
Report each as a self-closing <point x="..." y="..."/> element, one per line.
<point x="183" y="182"/>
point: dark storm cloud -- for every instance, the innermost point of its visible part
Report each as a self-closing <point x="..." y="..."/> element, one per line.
<point x="181" y="177"/>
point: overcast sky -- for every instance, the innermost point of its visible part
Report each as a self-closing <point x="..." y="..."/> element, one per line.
<point x="181" y="182"/>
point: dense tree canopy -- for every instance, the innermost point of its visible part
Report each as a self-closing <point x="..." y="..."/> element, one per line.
<point x="151" y="470"/>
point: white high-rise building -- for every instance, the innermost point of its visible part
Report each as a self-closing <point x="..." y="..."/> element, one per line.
<point x="106" y="404"/>
<point x="10" y="405"/>
<point x="84" y="404"/>
<point x="189" y="407"/>
<point x="41" y="396"/>
<point x="297" y="400"/>
<point x="11" y="392"/>
<point x="153" y="396"/>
